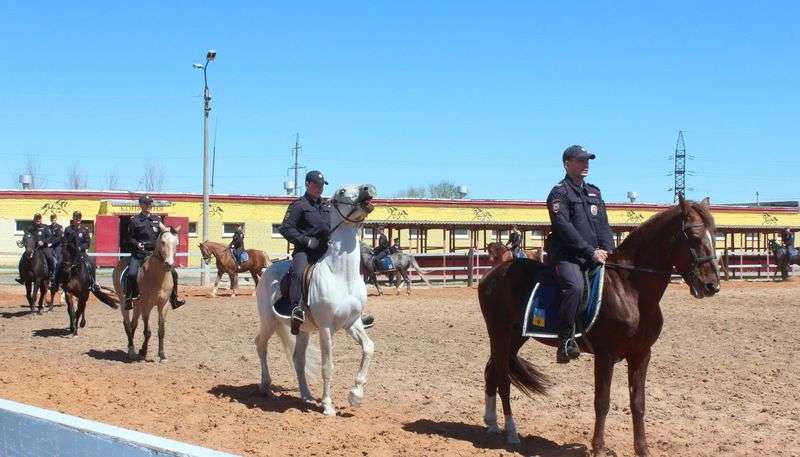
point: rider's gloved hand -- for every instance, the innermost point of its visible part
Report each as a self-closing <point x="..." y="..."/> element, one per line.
<point x="312" y="243"/>
<point x="40" y="243"/>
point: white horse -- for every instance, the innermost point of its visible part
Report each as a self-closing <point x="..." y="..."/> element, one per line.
<point x="336" y="296"/>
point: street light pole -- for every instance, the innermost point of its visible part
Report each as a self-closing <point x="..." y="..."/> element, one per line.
<point x="210" y="56"/>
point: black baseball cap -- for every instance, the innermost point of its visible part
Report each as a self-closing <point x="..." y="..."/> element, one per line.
<point x="145" y="200"/>
<point x="576" y="152"/>
<point x="316" y="177"/>
<point x="76" y="215"/>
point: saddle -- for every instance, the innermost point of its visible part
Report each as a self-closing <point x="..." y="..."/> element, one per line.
<point x="541" y="310"/>
<point x="385" y="264"/>
<point x="283" y="306"/>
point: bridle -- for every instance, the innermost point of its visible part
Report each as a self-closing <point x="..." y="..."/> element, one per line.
<point x="354" y="207"/>
<point x="694" y="268"/>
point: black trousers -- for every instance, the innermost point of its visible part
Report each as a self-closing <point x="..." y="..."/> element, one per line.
<point x="570" y="278"/>
<point x="300" y="260"/>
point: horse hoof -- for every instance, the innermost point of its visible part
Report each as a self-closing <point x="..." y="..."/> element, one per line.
<point x="513" y="440"/>
<point x="492" y="429"/>
<point x="356" y="397"/>
<point x="329" y="411"/>
<point x="162" y="358"/>
<point x="132" y="355"/>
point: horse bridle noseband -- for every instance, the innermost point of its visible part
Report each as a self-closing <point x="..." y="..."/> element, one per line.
<point x="354" y="207"/>
<point x="694" y="267"/>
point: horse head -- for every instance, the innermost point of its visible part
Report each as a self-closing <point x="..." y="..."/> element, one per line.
<point x="167" y="246"/>
<point x="354" y="202"/>
<point x="694" y="255"/>
<point x="29" y="243"/>
<point x="495" y="251"/>
<point x="205" y="252"/>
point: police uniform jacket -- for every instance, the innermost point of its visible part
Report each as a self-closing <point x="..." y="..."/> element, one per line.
<point x="579" y="222"/>
<point x="383" y="243"/>
<point x="307" y="218"/>
<point x="143" y="229"/>
<point x="77" y="240"/>
<point x="41" y="233"/>
<point x="238" y="241"/>
<point x="788" y="238"/>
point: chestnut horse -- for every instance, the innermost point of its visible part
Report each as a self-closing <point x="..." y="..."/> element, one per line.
<point x="629" y="322"/>
<point x="227" y="265"/>
<point x="499" y="252"/>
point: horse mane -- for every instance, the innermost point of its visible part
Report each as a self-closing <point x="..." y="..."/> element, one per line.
<point x="645" y="233"/>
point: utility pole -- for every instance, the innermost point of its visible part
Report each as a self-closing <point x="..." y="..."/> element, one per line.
<point x="296" y="150"/>
<point x="210" y="56"/>
<point x="214" y="155"/>
<point x="680" y="168"/>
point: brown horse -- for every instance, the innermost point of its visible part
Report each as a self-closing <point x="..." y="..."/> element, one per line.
<point x="226" y="264"/>
<point x="629" y="322"/>
<point x="499" y="252"/>
<point x="155" y="287"/>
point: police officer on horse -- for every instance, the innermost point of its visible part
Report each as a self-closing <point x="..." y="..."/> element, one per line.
<point x="143" y="232"/>
<point x="514" y="243"/>
<point x="581" y="238"/>
<point x="57" y="232"/>
<point x="237" y="243"/>
<point x="77" y="238"/>
<point x="307" y="226"/>
<point x="381" y="250"/>
<point x="44" y="240"/>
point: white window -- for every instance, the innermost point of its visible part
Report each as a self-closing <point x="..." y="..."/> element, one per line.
<point x="503" y="234"/>
<point x="22" y="226"/>
<point x="229" y="228"/>
<point x="414" y="233"/>
<point x="461" y="234"/>
<point x="751" y="237"/>
<point x="368" y="233"/>
<point x="720" y="237"/>
<point x="538" y="234"/>
<point x="192" y="229"/>
<point x="276" y="231"/>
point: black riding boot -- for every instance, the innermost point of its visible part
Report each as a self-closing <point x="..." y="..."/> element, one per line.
<point x="567" y="347"/>
<point x="131" y="293"/>
<point x="173" y="298"/>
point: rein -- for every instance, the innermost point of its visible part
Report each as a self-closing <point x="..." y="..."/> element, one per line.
<point x="347" y="217"/>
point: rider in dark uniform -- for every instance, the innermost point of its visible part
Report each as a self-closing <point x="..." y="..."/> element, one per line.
<point x="307" y="226"/>
<point x="787" y="236"/>
<point x="143" y="232"/>
<point x="237" y="244"/>
<point x="580" y="239"/>
<point x="57" y="236"/>
<point x="395" y="247"/>
<point x="77" y="238"/>
<point x="44" y="240"/>
<point x="382" y="249"/>
<point x="514" y="243"/>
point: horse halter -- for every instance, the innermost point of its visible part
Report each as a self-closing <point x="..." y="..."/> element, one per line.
<point x="694" y="267"/>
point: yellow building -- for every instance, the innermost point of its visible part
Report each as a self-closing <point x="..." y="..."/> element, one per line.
<point x="422" y="225"/>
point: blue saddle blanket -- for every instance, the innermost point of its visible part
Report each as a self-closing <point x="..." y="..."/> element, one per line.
<point x="386" y="264"/>
<point x="243" y="256"/>
<point x="541" y="312"/>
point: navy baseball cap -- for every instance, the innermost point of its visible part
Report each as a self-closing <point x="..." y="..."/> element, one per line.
<point x="145" y="200"/>
<point x="316" y="177"/>
<point x="576" y="152"/>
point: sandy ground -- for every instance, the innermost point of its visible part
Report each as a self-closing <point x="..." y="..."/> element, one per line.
<point x="724" y="379"/>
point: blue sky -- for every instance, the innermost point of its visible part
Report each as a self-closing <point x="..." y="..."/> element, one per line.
<point x="408" y="93"/>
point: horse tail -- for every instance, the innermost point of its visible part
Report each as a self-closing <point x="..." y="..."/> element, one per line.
<point x="526" y="377"/>
<point x="313" y="357"/>
<point x="419" y="271"/>
<point x="106" y="297"/>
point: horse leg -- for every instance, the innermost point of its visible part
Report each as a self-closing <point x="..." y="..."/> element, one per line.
<point x="132" y="323"/>
<point x="502" y="352"/>
<point x="637" y="375"/>
<point x="82" y="308"/>
<point x="162" y="310"/>
<point x="261" y="342"/>
<point x="255" y="281"/>
<point x="490" y="404"/>
<point x="326" y="351"/>
<point x="375" y="282"/>
<point x="358" y="333"/>
<point x="146" y="332"/>
<point x="28" y="294"/>
<point x="408" y="282"/>
<point x="40" y="292"/>
<point x="216" y="283"/>
<point x="603" y="371"/>
<point x="233" y="278"/>
<point x="299" y="359"/>
<point x="73" y="317"/>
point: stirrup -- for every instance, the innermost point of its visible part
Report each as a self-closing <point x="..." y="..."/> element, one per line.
<point x="298" y="314"/>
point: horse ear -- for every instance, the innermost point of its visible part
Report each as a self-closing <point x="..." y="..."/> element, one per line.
<point x="175" y="230"/>
<point x="706" y="203"/>
<point x="683" y="203"/>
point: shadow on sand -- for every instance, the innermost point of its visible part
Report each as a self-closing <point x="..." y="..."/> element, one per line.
<point x="49" y="332"/>
<point x="531" y="445"/>
<point x="10" y="314"/>
<point x="279" y="402"/>
<point x="114" y="355"/>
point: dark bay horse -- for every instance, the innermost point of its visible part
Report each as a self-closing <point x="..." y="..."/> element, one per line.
<point x="783" y="259"/>
<point x="34" y="273"/>
<point x="499" y="252"/>
<point x="226" y="264"/>
<point x="78" y="275"/>
<point x="630" y="320"/>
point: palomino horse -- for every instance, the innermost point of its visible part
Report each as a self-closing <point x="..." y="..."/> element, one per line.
<point x="629" y="322"/>
<point x="33" y="271"/>
<point x="499" y="252"/>
<point x="76" y="280"/>
<point x="227" y="265"/>
<point x="336" y="298"/>
<point x="155" y="288"/>
<point x="402" y="264"/>
<point x="783" y="259"/>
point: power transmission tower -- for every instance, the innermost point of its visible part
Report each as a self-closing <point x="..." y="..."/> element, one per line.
<point x="680" y="168"/>
<point x="296" y="150"/>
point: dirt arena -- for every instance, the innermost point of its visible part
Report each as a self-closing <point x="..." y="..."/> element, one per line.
<point x="724" y="379"/>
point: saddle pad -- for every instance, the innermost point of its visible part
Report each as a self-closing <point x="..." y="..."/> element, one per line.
<point x="280" y="271"/>
<point x="244" y="257"/>
<point x="386" y="264"/>
<point x="541" y="312"/>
